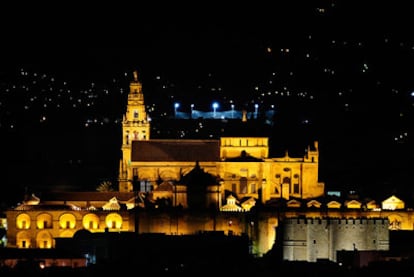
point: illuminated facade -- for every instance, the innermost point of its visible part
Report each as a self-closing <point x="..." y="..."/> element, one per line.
<point x="242" y="164"/>
<point x="36" y="223"/>
<point x="312" y="239"/>
<point x="181" y="187"/>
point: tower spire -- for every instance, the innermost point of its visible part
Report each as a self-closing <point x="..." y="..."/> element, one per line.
<point x="135" y="75"/>
<point x="135" y="126"/>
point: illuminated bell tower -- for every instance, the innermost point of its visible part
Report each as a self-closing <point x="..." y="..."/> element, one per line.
<point x="135" y="126"/>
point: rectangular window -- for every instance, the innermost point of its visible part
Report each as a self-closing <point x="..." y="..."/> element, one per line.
<point x="296" y="188"/>
<point x="67" y="225"/>
<point x="252" y="188"/>
<point x="44" y="224"/>
<point x="145" y="186"/>
<point x="243" y="185"/>
<point x="234" y="188"/>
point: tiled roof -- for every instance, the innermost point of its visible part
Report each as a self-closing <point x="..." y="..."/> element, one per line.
<point x="85" y="196"/>
<point x="44" y="207"/>
<point x="175" y="150"/>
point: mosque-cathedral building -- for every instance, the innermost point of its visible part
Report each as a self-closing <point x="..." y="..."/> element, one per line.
<point x="229" y="185"/>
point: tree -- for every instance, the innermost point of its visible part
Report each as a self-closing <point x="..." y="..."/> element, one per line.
<point x="105" y="186"/>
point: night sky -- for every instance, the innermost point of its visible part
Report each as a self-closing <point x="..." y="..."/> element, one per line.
<point x="339" y="72"/>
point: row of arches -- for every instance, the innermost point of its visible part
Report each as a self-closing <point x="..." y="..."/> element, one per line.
<point x="68" y="220"/>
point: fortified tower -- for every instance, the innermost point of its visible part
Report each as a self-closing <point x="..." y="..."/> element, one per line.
<point x="312" y="239"/>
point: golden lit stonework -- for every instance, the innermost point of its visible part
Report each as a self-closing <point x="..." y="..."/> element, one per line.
<point x="242" y="163"/>
<point x="230" y="185"/>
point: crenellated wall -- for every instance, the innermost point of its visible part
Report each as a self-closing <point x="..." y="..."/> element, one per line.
<point x="311" y="239"/>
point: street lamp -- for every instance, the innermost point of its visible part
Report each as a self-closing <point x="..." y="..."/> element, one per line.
<point x="192" y="109"/>
<point x="176" y="106"/>
<point x="215" y="106"/>
<point x="256" y="107"/>
<point x="232" y="110"/>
